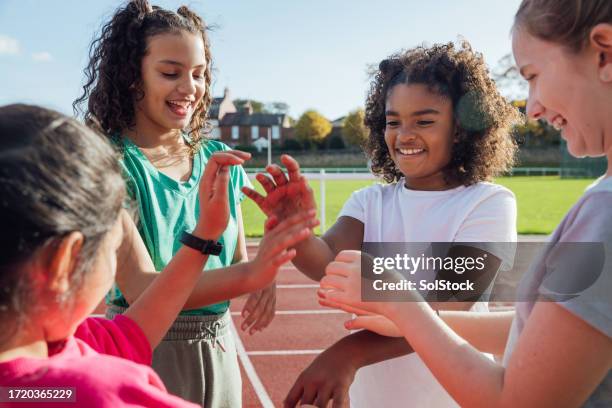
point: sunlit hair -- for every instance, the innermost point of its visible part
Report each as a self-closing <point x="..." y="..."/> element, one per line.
<point x="113" y="75"/>
<point x="483" y="118"/>
<point x="566" y="22"/>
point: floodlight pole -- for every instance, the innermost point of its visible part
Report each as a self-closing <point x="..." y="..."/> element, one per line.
<point x="269" y="146"/>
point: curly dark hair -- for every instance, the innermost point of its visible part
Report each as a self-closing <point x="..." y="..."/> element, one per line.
<point x="484" y="119"/>
<point x="113" y="75"/>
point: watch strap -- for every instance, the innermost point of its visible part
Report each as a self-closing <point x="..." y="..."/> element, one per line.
<point x="205" y="246"/>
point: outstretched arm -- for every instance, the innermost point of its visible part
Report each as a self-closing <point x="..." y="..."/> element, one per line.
<point x="537" y="373"/>
<point x="289" y="193"/>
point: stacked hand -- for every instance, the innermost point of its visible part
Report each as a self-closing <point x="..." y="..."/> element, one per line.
<point x="275" y="249"/>
<point x="213" y="193"/>
<point x="259" y="309"/>
<point x="341" y="285"/>
<point x="284" y="195"/>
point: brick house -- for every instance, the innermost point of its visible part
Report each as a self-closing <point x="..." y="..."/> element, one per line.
<point x="243" y="127"/>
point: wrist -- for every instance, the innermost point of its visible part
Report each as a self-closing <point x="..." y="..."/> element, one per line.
<point x="391" y="310"/>
<point x="204" y="233"/>
<point x="345" y="354"/>
<point x="249" y="276"/>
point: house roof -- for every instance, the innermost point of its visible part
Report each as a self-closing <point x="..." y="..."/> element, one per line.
<point x="254" y="119"/>
<point x="213" y="111"/>
<point x="338" y="122"/>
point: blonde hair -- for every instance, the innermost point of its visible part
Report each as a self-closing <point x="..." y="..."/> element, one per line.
<point x="565" y="22"/>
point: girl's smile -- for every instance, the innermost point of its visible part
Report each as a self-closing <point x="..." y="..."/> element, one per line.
<point x="418" y="134"/>
<point x="172" y="81"/>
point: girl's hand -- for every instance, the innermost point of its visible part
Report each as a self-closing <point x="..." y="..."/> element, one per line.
<point x="285" y="195"/>
<point x="275" y="249"/>
<point x="328" y="377"/>
<point x="374" y="323"/>
<point x="259" y="309"/>
<point x="341" y="285"/>
<point x="213" y="194"/>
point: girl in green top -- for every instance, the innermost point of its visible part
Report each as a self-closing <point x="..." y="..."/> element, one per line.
<point x="148" y="88"/>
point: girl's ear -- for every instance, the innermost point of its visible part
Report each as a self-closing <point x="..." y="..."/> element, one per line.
<point x="63" y="262"/>
<point x="601" y="40"/>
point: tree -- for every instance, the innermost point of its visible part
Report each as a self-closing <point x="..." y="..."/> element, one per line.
<point x="261" y="107"/>
<point x="312" y="127"/>
<point x="336" y="143"/>
<point x="354" y="130"/>
<point x="277" y="107"/>
<point x="256" y="105"/>
<point x="508" y="79"/>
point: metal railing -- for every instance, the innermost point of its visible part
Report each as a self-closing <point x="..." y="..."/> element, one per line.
<point x="359" y="173"/>
<point x="517" y="171"/>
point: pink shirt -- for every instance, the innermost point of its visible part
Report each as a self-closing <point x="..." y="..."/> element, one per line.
<point x="106" y="361"/>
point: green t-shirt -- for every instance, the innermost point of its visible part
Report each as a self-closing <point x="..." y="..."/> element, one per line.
<point x="167" y="207"/>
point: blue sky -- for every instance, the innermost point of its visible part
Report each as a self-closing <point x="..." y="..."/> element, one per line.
<point x="309" y="54"/>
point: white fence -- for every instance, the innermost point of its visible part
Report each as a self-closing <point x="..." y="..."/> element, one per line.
<point x="341" y="173"/>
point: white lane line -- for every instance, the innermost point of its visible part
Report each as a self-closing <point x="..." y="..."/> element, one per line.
<point x="260" y="390"/>
<point x="301" y="312"/>
<point x="298" y="286"/>
<point x="284" y="352"/>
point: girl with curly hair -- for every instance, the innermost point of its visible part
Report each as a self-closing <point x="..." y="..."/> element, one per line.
<point x="439" y="132"/>
<point x="62" y="237"/>
<point x="557" y="343"/>
<point x="148" y="89"/>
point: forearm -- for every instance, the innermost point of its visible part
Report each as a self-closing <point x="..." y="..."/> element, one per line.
<point x="222" y="284"/>
<point x="445" y="353"/>
<point x="313" y="255"/>
<point x="212" y="286"/>
<point x="167" y="293"/>
<point x="364" y="348"/>
<point x="488" y="332"/>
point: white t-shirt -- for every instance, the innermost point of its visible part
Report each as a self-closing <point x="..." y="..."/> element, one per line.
<point x="483" y="212"/>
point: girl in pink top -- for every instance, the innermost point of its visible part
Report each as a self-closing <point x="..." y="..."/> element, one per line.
<point x="62" y="225"/>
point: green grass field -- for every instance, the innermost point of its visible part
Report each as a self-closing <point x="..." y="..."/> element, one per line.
<point x="542" y="201"/>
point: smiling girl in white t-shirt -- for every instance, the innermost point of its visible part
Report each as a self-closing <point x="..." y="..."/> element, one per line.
<point x="439" y="132"/>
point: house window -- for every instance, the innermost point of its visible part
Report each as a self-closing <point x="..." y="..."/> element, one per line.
<point x="275" y="132"/>
<point x="235" y="133"/>
<point x="254" y="132"/>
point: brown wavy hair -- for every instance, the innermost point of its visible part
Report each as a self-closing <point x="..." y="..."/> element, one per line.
<point x="566" y="22"/>
<point x="113" y="74"/>
<point x="484" y="119"/>
<point x="57" y="176"/>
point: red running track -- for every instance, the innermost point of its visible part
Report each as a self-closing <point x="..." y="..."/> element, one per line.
<point x="274" y="357"/>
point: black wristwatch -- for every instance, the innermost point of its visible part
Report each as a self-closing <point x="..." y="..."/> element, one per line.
<point x="205" y="246"/>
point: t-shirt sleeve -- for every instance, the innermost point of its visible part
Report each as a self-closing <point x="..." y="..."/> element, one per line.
<point x="492" y="220"/>
<point x="120" y="337"/>
<point x="578" y="274"/>
<point x="355" y="206"/>
<point x="491" y="226"/>
<point x="239" y="179"/>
